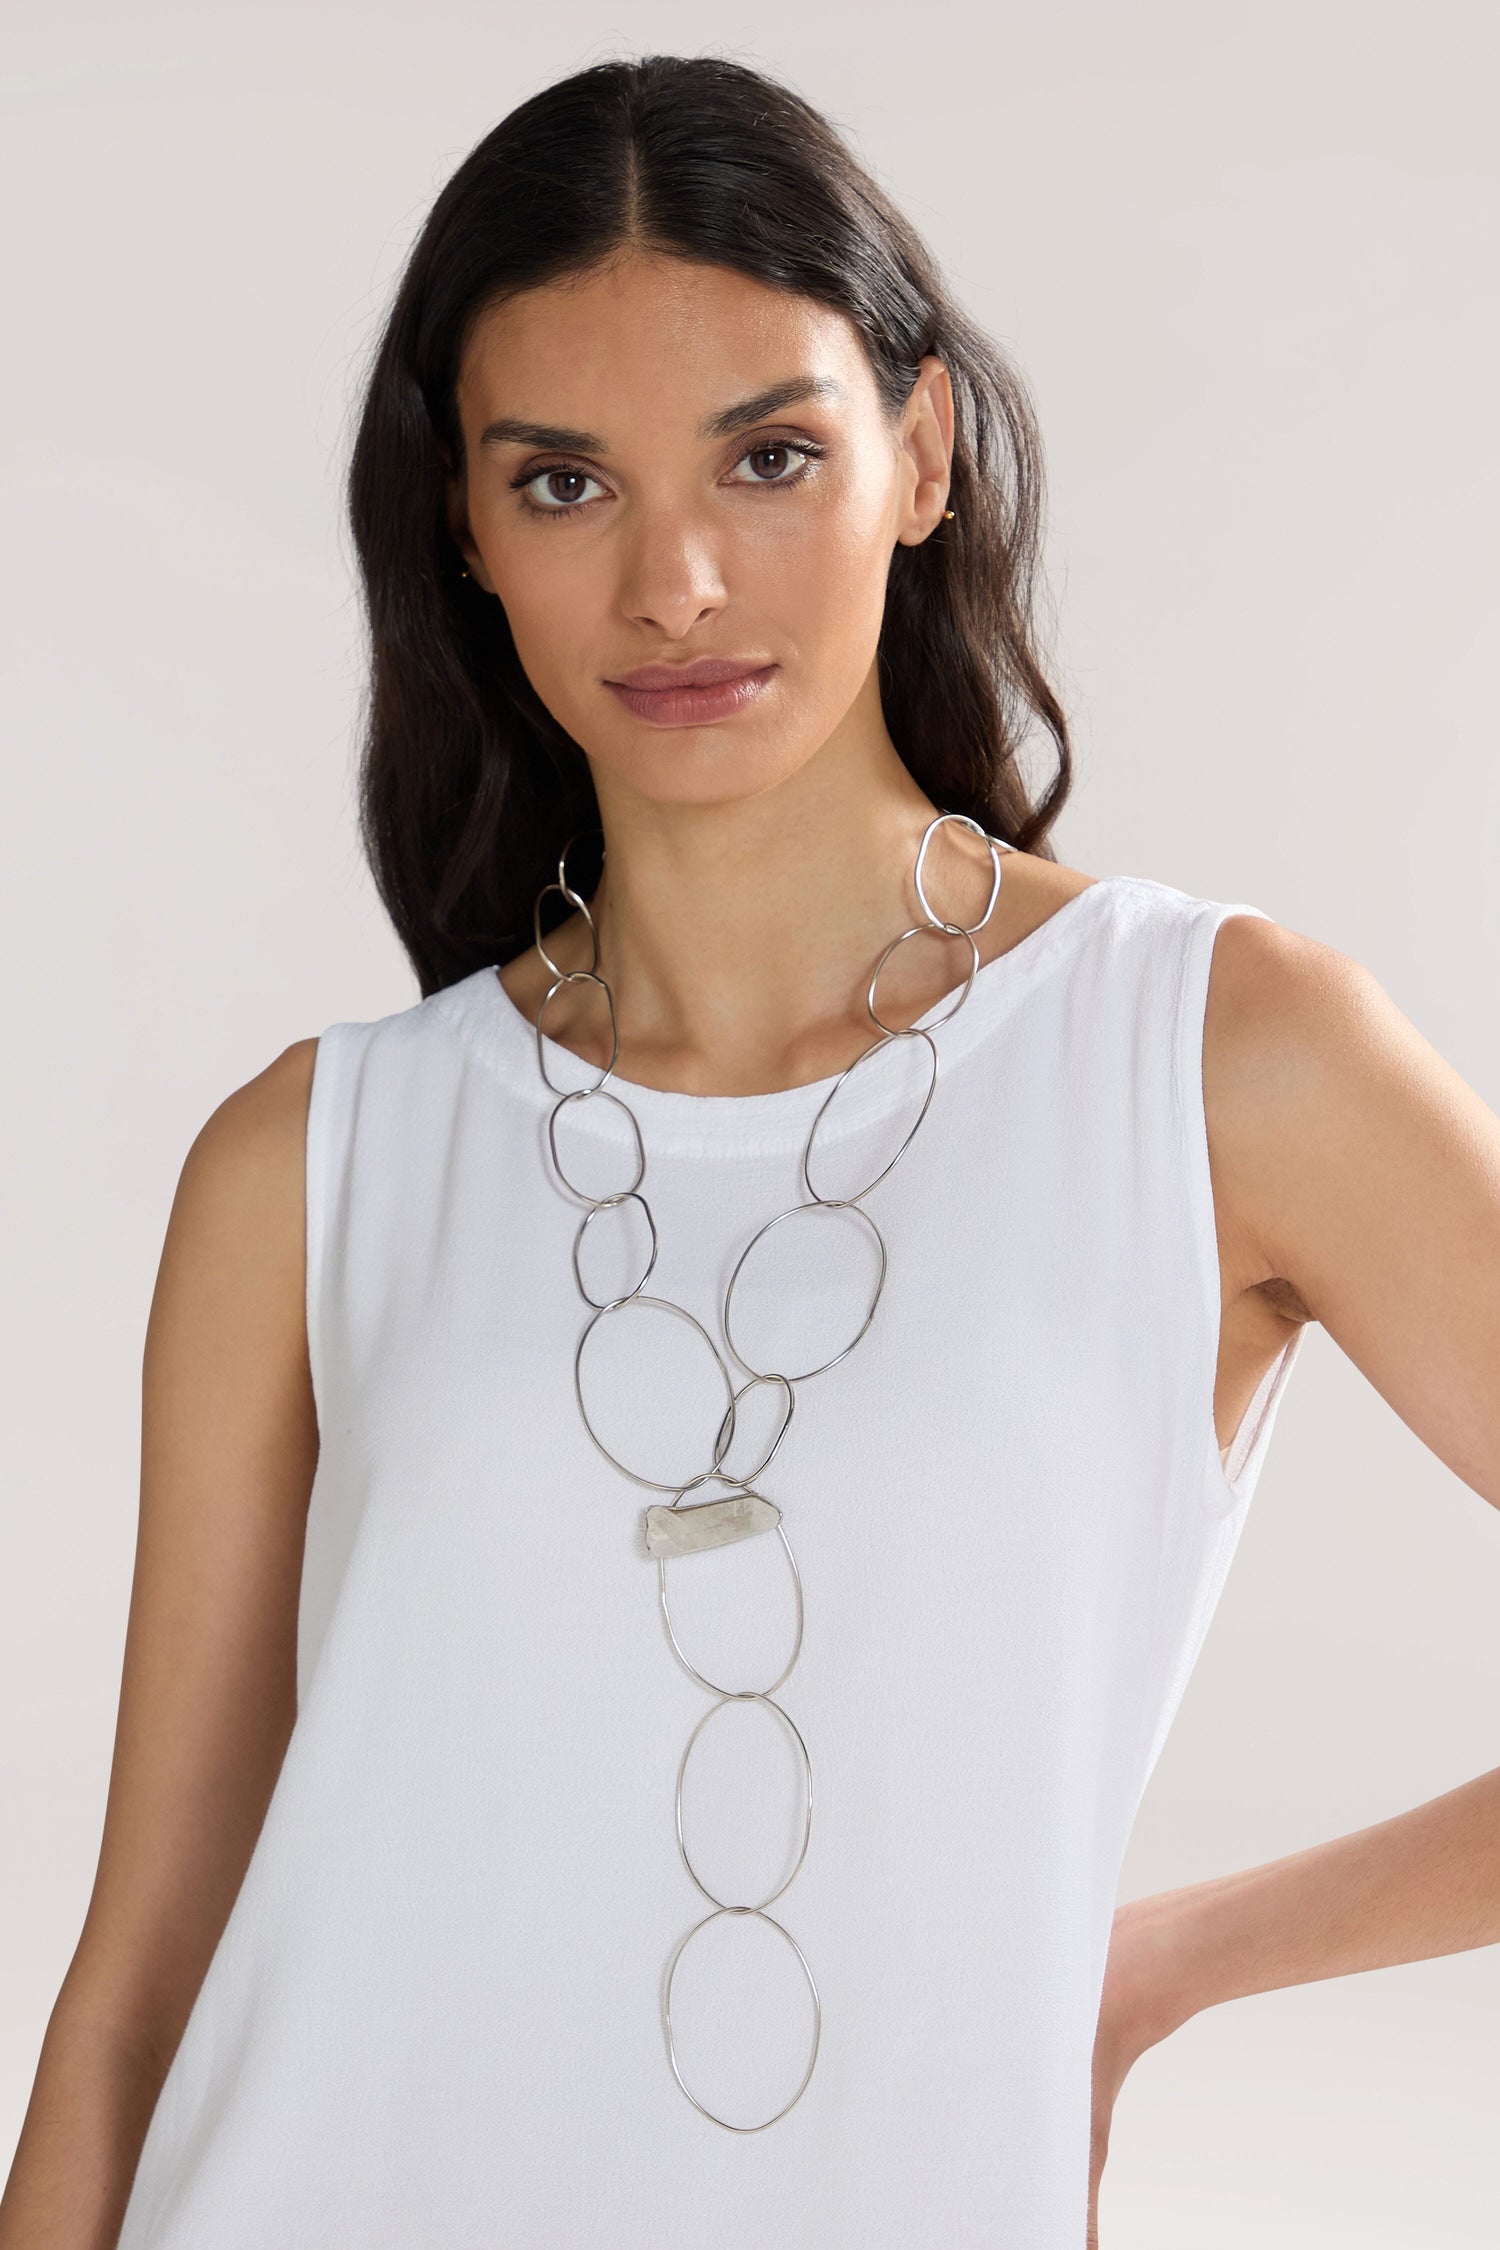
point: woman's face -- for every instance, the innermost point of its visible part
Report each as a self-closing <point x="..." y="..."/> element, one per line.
<point x="637" y="496"/>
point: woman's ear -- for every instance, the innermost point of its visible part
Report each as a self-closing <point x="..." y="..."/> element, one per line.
<point x="927" y="445"/>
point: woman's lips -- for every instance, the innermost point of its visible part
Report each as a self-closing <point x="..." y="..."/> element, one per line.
<point x="685" y="706"/>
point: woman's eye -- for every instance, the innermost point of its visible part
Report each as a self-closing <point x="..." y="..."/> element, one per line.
<point x="557" y="502"/>
<point x="777" y="455"/>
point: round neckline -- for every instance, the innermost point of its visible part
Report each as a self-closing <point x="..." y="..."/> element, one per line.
<point x="669" y="1117"/>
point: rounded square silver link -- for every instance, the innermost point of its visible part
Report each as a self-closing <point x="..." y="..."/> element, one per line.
<point x="736" y="1517"/>
<point x="747" y="1695"/>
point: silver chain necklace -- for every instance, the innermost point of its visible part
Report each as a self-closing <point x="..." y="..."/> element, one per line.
<point x="673" y="1530"/>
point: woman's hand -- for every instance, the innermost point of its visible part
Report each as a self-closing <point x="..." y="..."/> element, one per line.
<point x="1421" y="1884"/>
<point x="1141" y="2004"/>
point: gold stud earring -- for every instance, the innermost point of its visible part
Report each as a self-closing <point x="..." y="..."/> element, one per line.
<point x="948" y="515"/>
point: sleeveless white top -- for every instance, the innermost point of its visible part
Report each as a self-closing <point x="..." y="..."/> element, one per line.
<point x="435" y="2015"/>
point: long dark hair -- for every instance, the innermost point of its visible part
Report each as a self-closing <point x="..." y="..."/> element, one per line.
<point x="469" y="788"/>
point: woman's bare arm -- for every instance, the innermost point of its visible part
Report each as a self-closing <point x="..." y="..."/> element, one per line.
<point x="1367" y="1173"/>
<point x="208" y="1689"/>
<point x="1354" y="1165"/>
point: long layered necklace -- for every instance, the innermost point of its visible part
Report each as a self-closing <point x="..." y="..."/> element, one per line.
<point x="674" y="1530"/>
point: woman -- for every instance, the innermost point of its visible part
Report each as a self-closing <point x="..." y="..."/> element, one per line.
<point x="698" y="529"/>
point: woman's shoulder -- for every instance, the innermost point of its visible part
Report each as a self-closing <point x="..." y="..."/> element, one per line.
<point x="1290" y="1028"/>
<point x="243" y="1171"/>
<point x="1143" y="907"/>
<point x="266" y="1109"/>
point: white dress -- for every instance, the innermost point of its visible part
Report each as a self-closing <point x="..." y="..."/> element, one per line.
<point x="434" y="2020"/>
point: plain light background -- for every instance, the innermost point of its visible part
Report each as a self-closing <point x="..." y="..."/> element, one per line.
<point x="1246" y="261"/>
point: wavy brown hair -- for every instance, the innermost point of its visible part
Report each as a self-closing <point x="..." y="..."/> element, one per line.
<point x="469" y="788"/>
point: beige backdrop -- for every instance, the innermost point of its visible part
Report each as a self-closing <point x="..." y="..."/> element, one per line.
<point x="1246" y="258"/>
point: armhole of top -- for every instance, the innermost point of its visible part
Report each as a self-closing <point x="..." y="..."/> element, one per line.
<point x="319" y="1185"/>
<point x="1226" y="1479"/>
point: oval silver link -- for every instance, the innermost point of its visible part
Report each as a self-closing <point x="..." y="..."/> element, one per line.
<point x="682" y="1944"/>
<point x="716" y="1687"/>
<point x="576" y="976"/>
<point x="823" y="1204"/>
<point x="746" y="1695"/>
<point x="610" y="1203"/>
<point x="654" y="1484"/>
<point x="724" y="1437"/>
<point x="914" y="1031"/>
<point x="955" y="929"/>
<point x="590" y="1094"/>
<point x="566" y="887"/>
<point x="923" y="929"/>
<point x="563" y="891"/>
<point x="748" y="1476"/>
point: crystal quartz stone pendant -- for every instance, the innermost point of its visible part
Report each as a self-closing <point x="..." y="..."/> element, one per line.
<point x="675" y="1532"/>
<point x="712" y="1523"/>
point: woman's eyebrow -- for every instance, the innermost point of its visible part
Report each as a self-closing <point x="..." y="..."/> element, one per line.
<point x="511" y="431"/>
